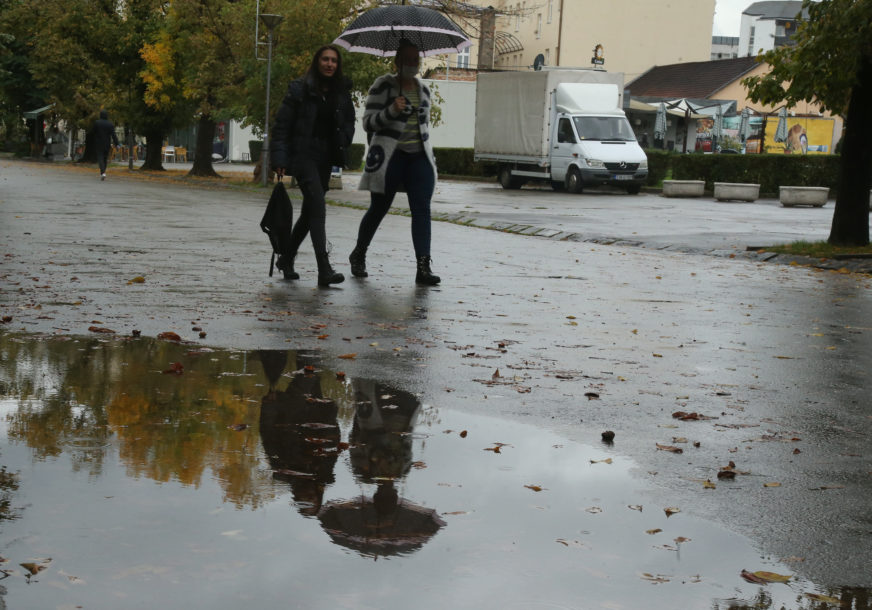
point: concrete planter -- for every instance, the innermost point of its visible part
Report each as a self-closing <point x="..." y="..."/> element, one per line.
<point x="815" y="196"/>
<point x="683" y="188"/>
<point x="735" y="191"/>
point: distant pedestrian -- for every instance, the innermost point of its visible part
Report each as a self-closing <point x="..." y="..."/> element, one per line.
<point x="313" y="131"/>
<point x="104" y="138"/>
<point x="397" y="117"/>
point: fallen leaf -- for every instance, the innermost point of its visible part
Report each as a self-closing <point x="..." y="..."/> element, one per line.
<point x="347" y="356"/>
<point x="494" y="449"/>
<point x="824" y="598"/>
<point x="137" y="280"/>
<point x="594" y="510"/>
<point x="752" y="578"/>
<point x="33" y="568"/>
<point x="671" y="510"/>
<point x="496" y="374"/>
<point x="237" y="427"/>
<point x="681" y="539"/>
<point x="637" y="507"/>
<point x="100" y="329"/>
<point x="772" y="484"/>
<point x="709" y="485"/>
<point x="726" y="474"/>
<point x="176" y="368"/>
<point x="591" y="395"/>
<point x="419" y="465"/>
<point x="654" y="531"/>
<point x="605" y="461"/>
<point x="655" y="579"/>
<point x="533" y="487"/>
<point x="463" y="433"/>
<point x="669" y="448"/>
<point x="771" y="576"/>
<point x="322" y="337"/>
<point x="169" y="336"/>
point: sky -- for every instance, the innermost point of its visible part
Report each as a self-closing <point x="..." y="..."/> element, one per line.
<point x="728" y="15"/>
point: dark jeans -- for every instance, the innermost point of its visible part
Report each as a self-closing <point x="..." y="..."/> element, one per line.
<point x="313" y="178"/>
<point x="414" y="172"/>
<point x="102" y="157"/>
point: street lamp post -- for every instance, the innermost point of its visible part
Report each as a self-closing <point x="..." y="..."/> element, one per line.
<point x="270" y="21"/>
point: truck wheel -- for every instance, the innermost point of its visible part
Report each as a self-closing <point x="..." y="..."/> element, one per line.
<point x="634" y="189"/>
<point x="573" y="180"/>
<point x="507" y="181"/>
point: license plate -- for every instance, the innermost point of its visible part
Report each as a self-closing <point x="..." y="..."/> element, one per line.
<point x="622" y="177"/>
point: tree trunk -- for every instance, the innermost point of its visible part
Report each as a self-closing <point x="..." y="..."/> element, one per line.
<point x="203" y="155"/>
<point x="89" y="155"/>
<point x="851" y="218"/>
<point x="153" y="152"/>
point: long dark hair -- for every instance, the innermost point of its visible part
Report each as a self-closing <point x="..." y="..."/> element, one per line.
<point x="335" y="81"/>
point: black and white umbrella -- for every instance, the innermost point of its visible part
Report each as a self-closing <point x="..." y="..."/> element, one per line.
<point x="378" y="32"/>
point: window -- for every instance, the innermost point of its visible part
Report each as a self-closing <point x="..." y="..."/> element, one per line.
<point x="550" y="10"/>
<point x="751" y="42"/>
<point x="779" y="30"/>
<point x="518" y="17"/>
<point x="564" y="132"/>
<point x="463" y="58"/>
<point x="547" y="57"/>
<point x="539" y="26"/>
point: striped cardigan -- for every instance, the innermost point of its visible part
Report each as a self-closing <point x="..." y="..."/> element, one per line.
<point x="384" y="128"/>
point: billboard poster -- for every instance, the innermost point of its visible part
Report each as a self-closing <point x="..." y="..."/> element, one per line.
<point x="805" y="136"/>
<point x="729" y="139"/>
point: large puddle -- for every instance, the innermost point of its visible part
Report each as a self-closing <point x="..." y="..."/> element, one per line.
<point x="147" y="474"/>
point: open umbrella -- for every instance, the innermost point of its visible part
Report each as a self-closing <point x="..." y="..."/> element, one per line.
<point x="745" y="124"/>
<point x="378" y="31"/>
<point x="717" y="127"/>
<point x="781" y="130"/>
<point x="380" y="526"/>
<point x="660" y="123"/>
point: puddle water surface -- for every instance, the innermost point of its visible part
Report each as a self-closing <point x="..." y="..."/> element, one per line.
<point x="147" y="474"/>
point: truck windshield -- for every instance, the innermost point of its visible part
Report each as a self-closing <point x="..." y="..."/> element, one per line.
<point x="604" y="128"/>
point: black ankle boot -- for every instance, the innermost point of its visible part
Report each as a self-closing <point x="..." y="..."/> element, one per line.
<point x="424" y="275"/>
<point x="285" y="264"/>
<point x="357" y="258"/>
<point x="326" y="274"/>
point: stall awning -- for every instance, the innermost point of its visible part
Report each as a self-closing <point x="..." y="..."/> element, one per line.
<point x="32" y="114"/>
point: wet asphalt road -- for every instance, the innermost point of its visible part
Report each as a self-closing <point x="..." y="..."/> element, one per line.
<point x="774" y="358"/>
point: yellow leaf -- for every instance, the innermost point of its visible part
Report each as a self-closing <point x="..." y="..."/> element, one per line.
<point x="654" y="531"/>
<point x="137" y="280"/>
<point x="772" y="576"/>
<point x="348" y="356"/>
<point x="709" y="485"/>
<point x="772" y="484"/>
<point x="570" y="317"/>
<point x="605" y="461"/>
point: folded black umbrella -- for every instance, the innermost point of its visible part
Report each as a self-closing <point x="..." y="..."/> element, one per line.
<point x="277" y="221"/>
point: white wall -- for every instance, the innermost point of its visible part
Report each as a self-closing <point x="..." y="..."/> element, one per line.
<point x="764" y="34"/>
<point x="237" y="140"/>
<point x="457" y="129"/>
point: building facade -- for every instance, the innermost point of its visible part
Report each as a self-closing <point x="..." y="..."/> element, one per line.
<point x="630" y="36"/>
<point x="768" y="25"/>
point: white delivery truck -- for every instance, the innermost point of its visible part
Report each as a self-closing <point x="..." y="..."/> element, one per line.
<point x="566" y="127"/>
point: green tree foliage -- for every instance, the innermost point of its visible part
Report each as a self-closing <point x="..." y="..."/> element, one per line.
<point x="831" y="64"/>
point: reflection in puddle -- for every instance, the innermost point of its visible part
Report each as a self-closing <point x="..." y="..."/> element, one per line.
<point x="159" y="475"/>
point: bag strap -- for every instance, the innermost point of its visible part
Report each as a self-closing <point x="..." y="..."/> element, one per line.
<point x="272" y="260"/>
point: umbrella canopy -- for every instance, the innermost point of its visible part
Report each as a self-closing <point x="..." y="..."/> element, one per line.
<point x="781" y="130"/>
<point x="378" y="32"/>
<point x="660" y="123"/>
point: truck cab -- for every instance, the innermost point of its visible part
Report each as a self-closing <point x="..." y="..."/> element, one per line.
<point x="594" y="146"/>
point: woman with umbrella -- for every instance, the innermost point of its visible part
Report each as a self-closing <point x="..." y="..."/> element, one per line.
<point x="397" y="119"/>
<point x="313" y="130"/>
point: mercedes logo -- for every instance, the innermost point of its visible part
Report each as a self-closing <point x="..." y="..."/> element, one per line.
<point x="623" y="165"/>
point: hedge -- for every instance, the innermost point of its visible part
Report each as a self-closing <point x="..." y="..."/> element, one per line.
<point x="768" y="170"/>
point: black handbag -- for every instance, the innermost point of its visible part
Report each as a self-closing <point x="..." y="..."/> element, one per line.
<point x="277" y="221"/>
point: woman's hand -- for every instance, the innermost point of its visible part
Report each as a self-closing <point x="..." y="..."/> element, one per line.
<point x="399" y="104"/>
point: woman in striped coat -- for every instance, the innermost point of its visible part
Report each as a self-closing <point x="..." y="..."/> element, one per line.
<point x="396" y="119"/>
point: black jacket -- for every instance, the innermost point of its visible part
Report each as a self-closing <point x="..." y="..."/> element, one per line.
<point x="293" y="131"/>
<point x="104" y="134"/>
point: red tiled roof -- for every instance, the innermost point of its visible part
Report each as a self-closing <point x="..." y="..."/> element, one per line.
<point x="698" y="79"/>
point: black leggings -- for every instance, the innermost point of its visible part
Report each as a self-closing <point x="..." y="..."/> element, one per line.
<point x="313" y="178"/>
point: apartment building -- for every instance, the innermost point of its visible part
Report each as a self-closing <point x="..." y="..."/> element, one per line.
<point x="621" y="35"/>
<point x="768" y="25"/>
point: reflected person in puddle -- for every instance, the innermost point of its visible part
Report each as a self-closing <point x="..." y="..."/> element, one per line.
<point x="381" y="453"/>
<point x="299" y="431"/>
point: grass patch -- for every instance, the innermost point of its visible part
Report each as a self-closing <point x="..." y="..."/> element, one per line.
<point x="819" y="249"/>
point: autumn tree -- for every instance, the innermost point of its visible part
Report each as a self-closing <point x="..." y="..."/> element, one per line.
<point x="831" y="64"/>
